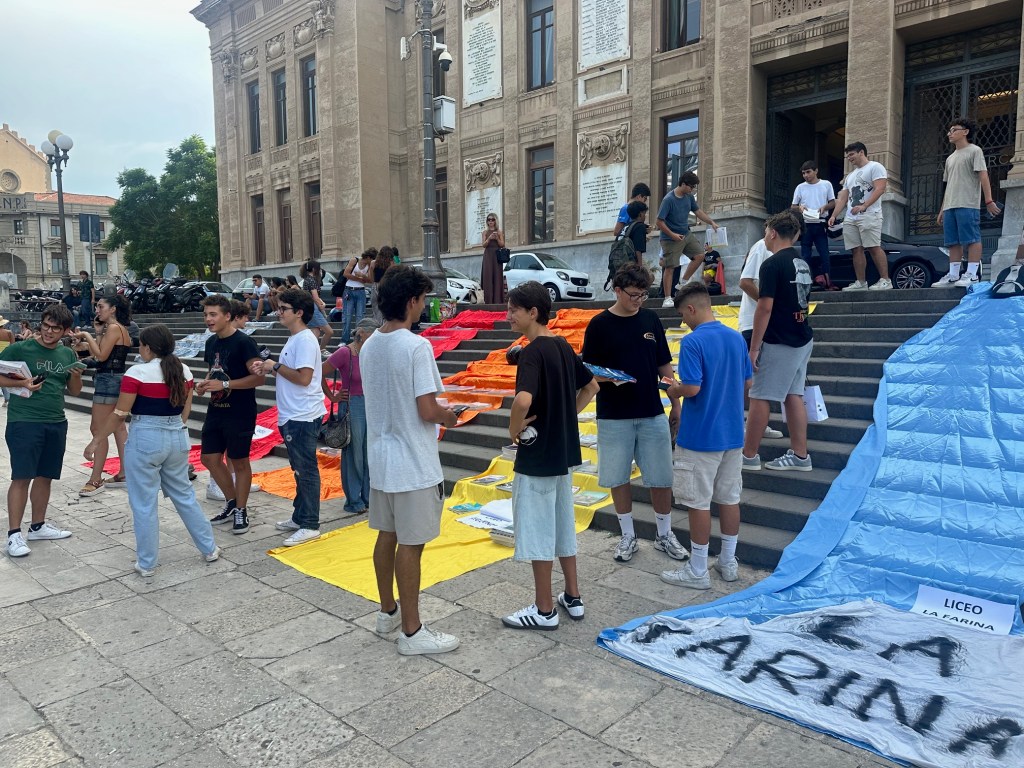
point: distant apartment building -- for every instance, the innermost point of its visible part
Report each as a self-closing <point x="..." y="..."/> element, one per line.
<point x="30" y="223"/>
<point x="562" y="105"/>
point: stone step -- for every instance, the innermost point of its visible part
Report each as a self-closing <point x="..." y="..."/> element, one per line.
<point x="876" y="335"/>
<point x="856" y="350"/>
<point x="835" y="366"/>
<point x="918" y="320"/>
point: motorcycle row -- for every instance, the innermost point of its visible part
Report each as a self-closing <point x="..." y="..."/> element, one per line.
<point x="146" y="295"/>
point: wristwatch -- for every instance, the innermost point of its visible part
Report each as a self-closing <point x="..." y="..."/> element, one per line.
<point x="226" y="384"/>
<point x="276" y="366"/>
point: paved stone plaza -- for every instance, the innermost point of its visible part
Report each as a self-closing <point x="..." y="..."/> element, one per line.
<point x="247" y="662"/>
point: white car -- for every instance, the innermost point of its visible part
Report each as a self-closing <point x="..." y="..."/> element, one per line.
<point x="561" y="280"/>
<point x="463" y="288"/>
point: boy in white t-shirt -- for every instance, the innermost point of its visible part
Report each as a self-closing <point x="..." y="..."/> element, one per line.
<point x="748" y="303"/>
<point x="863" y="188"/>
<point x="813" y="199"/>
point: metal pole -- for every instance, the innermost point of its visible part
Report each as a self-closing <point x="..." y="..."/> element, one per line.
<point x="431" y="249"/>
<point x="65" y="274"/>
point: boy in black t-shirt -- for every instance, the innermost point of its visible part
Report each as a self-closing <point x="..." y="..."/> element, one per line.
<point x="552" y="386"/>
<point x="780" y="346"/>
<point x="231" y="416"/>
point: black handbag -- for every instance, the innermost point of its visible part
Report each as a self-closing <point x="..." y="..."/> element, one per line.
<point x="337" y="429"/>
<point x="503" y="255"/>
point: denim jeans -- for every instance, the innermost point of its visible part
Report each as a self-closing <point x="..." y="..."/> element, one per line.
<point x="815" y="235"/>
<point x="300" y="440"/>
<point x="355" y="470"/>
<point x="353" y="305"/>
<point x="155" y="459"/>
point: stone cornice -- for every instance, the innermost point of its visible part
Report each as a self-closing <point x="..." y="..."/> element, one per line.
<point x="696" y="86"/>
<point x="623" y="107"/>
<point x="829" y="26"/>
<point x="211" y="10"/>
<point x="916" y="6"/>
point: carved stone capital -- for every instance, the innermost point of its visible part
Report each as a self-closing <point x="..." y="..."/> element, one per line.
<point x="604" y="146"/>
<point x="483" y="172"/>
<point x="228" y="63"/>
<point x="275" y="47"/>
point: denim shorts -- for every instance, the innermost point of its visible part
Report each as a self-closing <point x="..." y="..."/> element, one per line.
<point x="700" y="477"/>
<point x="106" y="388"/>
<point x="36" y="448"/>
<point x="543" y="517"/>
<point x="621" y="441"/>
<point x="961" y="226"/>
<point x="318" y="321"/>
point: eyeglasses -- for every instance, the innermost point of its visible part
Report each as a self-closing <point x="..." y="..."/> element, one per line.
<point x="284" y="308"/>
<point x="636" y="296"/>
<point x="492" y="219"/>
<point x="51" y="328"/>
<point x="955" y="128"/>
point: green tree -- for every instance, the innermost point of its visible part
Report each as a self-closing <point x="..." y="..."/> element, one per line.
<point x="173" y="220"/>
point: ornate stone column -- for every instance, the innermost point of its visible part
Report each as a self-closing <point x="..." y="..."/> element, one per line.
<point x="1013" y="214"/>
<point x="874" y="100"/>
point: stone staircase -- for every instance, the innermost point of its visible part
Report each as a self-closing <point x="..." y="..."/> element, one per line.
<point x="854" y="335"/>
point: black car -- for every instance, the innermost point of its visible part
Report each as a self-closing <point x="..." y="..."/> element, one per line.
<point x="910" y="266"/>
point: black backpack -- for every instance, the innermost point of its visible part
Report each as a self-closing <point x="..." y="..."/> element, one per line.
<point x="1009" y="282"/>
<point x="623" y="252"/>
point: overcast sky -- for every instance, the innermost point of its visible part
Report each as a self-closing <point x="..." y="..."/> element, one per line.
<point x="125" y="79"/>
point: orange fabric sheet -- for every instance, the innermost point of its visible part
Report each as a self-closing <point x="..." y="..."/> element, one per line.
<point x="281" y="482"/>
<point x="493" y="372"/>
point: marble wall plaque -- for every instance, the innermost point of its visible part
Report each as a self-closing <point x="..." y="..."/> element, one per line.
<point x="480" y="202"/>
<point x="481" y="51"/>
<point x="603" y="32"/>
<point x="602" y="191"/>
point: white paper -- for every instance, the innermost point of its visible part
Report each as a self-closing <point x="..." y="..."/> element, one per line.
<point x="967" y="611"/>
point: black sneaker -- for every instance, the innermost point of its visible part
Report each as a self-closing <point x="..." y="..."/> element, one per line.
<point x="226" y="516"/>
<point x="241" y="524"/>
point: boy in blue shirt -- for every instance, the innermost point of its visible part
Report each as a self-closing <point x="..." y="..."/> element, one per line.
<point x="714" y="374"/>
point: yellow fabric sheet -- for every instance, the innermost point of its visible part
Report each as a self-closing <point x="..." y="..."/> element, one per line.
<point x="344" y="557"/>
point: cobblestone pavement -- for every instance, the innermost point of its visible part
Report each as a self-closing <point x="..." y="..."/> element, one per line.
<point x="246" y="662"/>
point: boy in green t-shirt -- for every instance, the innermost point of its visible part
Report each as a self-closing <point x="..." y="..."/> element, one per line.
<point x="37" y="428"/>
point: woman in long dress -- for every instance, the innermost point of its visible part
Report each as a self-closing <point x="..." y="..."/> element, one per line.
<point x="491" y="274"/>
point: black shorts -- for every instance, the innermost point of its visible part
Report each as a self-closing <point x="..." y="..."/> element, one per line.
<point x="748" y="336"/>
<point x="230" y="436"/>
<point x="36" y="448"/>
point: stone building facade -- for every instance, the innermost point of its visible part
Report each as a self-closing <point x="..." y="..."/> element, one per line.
<point x="30" y="222"/>
<point x="561" y="105"/>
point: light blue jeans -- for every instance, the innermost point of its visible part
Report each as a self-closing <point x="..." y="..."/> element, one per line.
<point x="355" y="466"/>
<point x="155" y="459"/>
<point x="353" y="306"/>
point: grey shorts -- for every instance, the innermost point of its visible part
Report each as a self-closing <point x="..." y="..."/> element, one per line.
<point x="415" y="516"/>
<point x="543" y="517"/>
<point x="781" y="371"/>
<point x="700" y="477"/>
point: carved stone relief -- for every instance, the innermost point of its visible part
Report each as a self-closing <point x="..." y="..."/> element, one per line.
<point x="304" y="32"/>
<point x="249" y="59"/>
<point x="275" y="47"/>
<point x="229" y="63"/>
<point x="484" y="172"/>
<point x="604" y="146"/>
<point x="473" y="7"/>
<point x="323" y="16"/>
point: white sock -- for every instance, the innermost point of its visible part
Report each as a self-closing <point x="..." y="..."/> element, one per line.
<point x="699" y="558"/>
<point x="954" y="269"/>
<point x="728" y="553"/>
<point x="664" y="523"/>
<point x="972" y="268"/>
<point x="213" y="483"/>
<point x="626" y="524"/>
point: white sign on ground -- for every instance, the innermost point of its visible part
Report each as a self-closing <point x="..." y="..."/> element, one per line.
<point x="967" y="611"/>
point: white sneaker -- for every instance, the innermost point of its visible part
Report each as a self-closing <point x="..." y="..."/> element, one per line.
<point x="572" y="605"/>
<point x="213" y="556"/>
<point x="255" y="488"/>
<point x="426" y="640"/>
<point x="946" y="281"/>
<point x="286" y="525"/>
<point x="47" y="533"/>
<point x="667" y="303"/>
<point x="685" y="577"/>
<point x="728" y="570"/>
<point x="626" y="548"/>
<point x="301" y="536"/>
<point x="147" y="572"/>
<point x="967" y="280"/>
<point x="16" y="546"/>
<point x="530" y="617"/>
<point x="389" y="622"/>
<point x="857" y="285"/>
<point x="670" y="545"/>
<point x="214" y="493"/>
<point x="884" y="284"/>
<point x="772" y="434"/>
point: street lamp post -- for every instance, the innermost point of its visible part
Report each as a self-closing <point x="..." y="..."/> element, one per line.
<point x="431" y="249"/>
<point x="56" y="149"/>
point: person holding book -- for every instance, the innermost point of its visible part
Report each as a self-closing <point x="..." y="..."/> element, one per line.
<point x="552" y="386"/>
<point x="714" y="375"/>
<point x="631" y="422"/>
<point x="37" y="429"/>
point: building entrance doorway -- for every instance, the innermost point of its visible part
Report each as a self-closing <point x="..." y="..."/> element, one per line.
<point x="806" y="121"/>
<point x="974" y="74"/>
